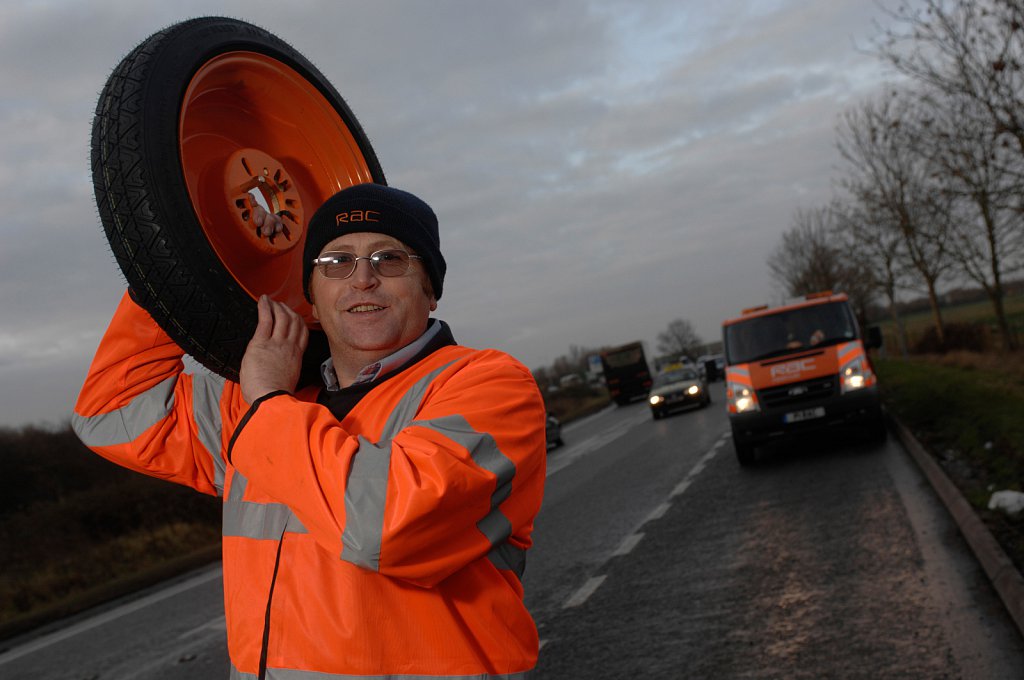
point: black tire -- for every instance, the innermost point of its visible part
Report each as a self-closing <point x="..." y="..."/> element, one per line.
<point x="746" y="453"/>
<point x="144" y="202"/>
<point x="876" y="430"/>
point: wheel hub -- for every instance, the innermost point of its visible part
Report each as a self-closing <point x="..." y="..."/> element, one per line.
<point x="256" y="178"/>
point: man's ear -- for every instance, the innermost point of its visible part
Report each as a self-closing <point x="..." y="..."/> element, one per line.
<point x="312" y="303"/>
<point x="433" y="303"/>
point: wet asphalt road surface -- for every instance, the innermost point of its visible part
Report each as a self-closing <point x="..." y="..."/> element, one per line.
<point x="825" y="560"/>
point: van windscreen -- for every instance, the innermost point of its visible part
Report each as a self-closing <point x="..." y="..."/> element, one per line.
<point x="762" y="337"/>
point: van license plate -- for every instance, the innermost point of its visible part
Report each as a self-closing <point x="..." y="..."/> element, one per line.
<point x="806" y="414"/>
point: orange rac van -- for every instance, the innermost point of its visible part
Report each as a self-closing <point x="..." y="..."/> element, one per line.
<point x="798" y="368"/>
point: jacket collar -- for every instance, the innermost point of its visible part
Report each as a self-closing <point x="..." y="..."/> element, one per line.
<point x="384" y="366"/>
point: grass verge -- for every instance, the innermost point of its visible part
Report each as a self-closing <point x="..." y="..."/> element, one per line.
<point x="966" y="410"/>
<point x="77" y="530"/>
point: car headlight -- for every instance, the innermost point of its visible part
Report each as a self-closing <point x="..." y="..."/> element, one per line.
<point x="854" y="376"/>
<point x="693" y="389"/>
<point x="656" y="399"/>
<point x="741" y="398"/>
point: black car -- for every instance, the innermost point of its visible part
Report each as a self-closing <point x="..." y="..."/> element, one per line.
<point x="554" y="432"/>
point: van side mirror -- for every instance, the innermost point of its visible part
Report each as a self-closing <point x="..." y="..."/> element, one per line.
<point x="874" y="338"/>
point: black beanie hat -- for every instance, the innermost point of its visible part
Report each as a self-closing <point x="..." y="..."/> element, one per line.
<point x="383" y="210"/>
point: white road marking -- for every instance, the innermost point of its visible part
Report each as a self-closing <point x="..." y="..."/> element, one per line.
<point x="107" y="616"/>
<point x="680" y="488"/>
<point x="628" y="544"/>
<point x="217" y="625"/>
<point x="634" y="538"/>
<point x="573" y="452"/>
<point x="658" y="512"/>
<point x="584" y="593"/>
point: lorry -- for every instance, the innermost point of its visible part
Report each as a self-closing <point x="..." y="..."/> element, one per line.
<point x="626" y="372"/>
<point x="798" y="368"/>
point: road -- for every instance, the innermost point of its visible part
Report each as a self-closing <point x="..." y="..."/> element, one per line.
<point x="657" y="555"/>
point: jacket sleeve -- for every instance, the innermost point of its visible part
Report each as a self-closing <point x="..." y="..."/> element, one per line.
<point x="462" y="479"/>
<point x="139" y="410"/>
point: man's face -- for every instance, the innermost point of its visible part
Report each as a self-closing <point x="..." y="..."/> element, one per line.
<point x="368" y="316"/>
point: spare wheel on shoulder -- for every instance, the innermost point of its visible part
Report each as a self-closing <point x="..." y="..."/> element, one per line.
<point x="199" y="123"/>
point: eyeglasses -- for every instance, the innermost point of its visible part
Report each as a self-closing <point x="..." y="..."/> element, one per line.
<point x="341" y="265"/>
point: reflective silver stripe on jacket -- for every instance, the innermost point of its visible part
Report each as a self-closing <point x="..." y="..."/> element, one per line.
<point x="367" y="487"/>
<point x="148" y="408"/>
<point x="288" y="674"/>
<point x="206" y="394"/>
<point x="485" y="453"/>
<point x="366" y="490"/>
<point x="126" y="423"/>
<point x="510" y="558"/>
<point x="261" y="521"/>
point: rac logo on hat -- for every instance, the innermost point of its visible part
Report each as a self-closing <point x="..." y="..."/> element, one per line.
<point x="357" y="216"/>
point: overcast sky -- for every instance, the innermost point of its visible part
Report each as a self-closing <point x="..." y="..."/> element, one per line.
<point x="598" y="168"/>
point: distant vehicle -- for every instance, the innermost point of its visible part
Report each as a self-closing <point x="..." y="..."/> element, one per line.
<point x="715" y="362"/>
<point x="554" y="432"/>
<point x="677" y="387"/>
<point x="626" y="372"/>
<point x="798" y="368"/>
<point x="570" y="380"/>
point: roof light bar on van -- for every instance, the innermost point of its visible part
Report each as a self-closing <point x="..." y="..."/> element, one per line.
<point x="751" y="310"/>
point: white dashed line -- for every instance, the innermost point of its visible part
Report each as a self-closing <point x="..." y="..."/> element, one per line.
<point x="631" y="541"/>
<point x="584" y="593"/>
<point x="627" y="545"/>
<point x="658" y="512"/>
<point x="680" y="488"/>
<point x="95" y="621"/>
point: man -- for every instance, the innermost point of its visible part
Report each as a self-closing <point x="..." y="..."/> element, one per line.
<point x="375" y="526"/>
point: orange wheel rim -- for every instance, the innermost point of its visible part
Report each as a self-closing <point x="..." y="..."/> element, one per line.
<point x="253" y="130"/>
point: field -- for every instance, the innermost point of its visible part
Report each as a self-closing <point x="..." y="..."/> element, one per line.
<point x="977" y="316"/>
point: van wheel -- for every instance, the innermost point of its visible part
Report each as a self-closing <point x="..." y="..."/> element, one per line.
<point x="745" y="452"/>
<point x="198" y="124"/>
<point x="877" y="430"/>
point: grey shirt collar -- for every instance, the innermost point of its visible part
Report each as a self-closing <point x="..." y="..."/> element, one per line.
<point x="371" y="372"/>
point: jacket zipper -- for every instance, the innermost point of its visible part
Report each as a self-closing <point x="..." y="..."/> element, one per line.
<point x="266" y="620"/>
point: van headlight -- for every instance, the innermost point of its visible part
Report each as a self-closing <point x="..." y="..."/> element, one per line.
<point x="741" y="398"/>
<point x="854" y="376"/>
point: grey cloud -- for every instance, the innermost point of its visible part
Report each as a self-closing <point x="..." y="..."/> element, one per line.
<point x="594" y="164"/>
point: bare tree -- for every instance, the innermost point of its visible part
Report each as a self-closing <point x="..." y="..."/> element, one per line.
<point x="968" y="58"/>
<point x="964" y="48"/>
<point x="982" y="174"/>
<point x="809" y="259"/>
<point x="877" y="248"/>
<point x="679" y="338"/>
<point x="896" y="185"/>
<point x="805" y="260"/>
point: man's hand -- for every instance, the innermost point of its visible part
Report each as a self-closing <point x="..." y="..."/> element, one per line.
<point x="269" y="224"/>
<point x="273" y="357"/>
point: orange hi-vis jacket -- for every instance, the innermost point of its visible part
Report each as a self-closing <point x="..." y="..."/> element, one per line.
<point x="387" y="544"/>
